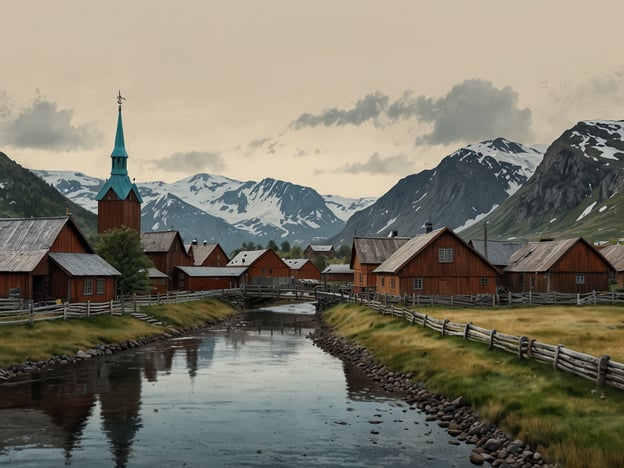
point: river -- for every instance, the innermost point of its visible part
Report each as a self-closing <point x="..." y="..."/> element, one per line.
<point x="256" y="394"/>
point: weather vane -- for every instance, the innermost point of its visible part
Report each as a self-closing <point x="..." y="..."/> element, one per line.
<point x="120" y="98"/>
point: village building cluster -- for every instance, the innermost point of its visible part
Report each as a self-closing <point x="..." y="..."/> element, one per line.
<point x="44" y="259"/>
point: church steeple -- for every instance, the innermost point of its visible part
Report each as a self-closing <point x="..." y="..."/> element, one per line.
<point x="119" y="201"/>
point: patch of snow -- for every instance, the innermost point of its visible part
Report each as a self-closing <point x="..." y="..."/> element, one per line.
<point x="586" y="211"/>
<point x="387" y="225"/>
<point x="475" y="220"/>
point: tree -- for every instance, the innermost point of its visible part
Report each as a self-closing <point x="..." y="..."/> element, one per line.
<point x="285" y="247"/>
<point x="344" y="252"/>
<point x="320" y="262"/>
<point x="272" y="245"/>
<point x="123" y="250"/>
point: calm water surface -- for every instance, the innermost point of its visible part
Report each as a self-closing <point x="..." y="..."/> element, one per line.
<point x="259" y="394"/>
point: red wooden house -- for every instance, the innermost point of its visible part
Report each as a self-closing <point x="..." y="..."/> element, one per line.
<point x="158" y="280"/>
<point x="337" y="273"/>
<point x="303" y="268"/>
<point x="49" y="258"/>
<point x="264" y="267"/>
<point x="436" y="263"/>
<point x="565" y="266"/>
<point x="318" y="250"/>
<point x="166" y="250"/>
<point x="201" y="278"/>
<point x="208" y="255"/>
<point x="614" y="253"/>
<point x="367" y="253"/>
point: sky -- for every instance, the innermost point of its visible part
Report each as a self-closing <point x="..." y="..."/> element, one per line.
<point x="344" y="96"/>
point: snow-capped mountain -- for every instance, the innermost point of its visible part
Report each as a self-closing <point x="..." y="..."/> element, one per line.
<point x="205" y="206"/>
<point x="464" y="187"/>
<point x="577" y="190"/>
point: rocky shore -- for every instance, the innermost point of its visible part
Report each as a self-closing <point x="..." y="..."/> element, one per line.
<point x="492" y="446"/>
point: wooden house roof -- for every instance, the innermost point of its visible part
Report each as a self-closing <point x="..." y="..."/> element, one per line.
<point x="20" y="261"/>
<point x="338" y="268"/>
<point x="297" y="263"/>
<point x="159" y="241"/>
<point x="201" y="271"/>
<point x="83" y="264"/>
<point x="407" y="251"/>
<point x="615" y="255"/>
<point x="375" y="250"/>
<point x="541" y="256"/>
<point x="201" y="252"/>
<point x="247" y="257"/>
<point x="155" y="273"/>
<point x="498" y="252"/>
<point x="22" y="234"/>
<point x="320" y="248"/>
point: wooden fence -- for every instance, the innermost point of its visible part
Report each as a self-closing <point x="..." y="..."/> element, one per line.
<point x="503" y="299"/>
<point x="601" y="370"/>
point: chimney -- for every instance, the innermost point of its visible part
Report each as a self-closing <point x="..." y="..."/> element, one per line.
<point x="205" y="242"/>
<point x="428" y="227"/>
<point x="194" y="242"/>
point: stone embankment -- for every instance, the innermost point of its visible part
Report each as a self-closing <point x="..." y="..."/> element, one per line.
<point x="35" y="367"/>
<point x="492" y="446"/>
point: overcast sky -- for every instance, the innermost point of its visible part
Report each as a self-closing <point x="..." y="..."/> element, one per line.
<point x="345" y="96"/>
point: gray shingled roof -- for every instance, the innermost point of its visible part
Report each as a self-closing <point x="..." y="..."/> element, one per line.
<point x="201" y="252"/>
<point x="199" y="271"/>
<point x="246" y="257"/>
<point x="498" y="252"/>
<point x="375" y="250"/>
<point x="20" y="261"/>
<point x="615" y="255"/>
<point x="338" y="268"/>
<point x="321" y="248"/>
<point x="407" y="251"/>
<point x="158" y="241"/>
<point x="155" y="273"/>
<point x="539" y="256"/>
<point x="296" y="263"/>
<point x="21" y="234"/>
<point x="82" y="264"/>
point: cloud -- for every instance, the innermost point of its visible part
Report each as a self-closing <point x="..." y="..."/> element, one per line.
<point x="191" y="161"/>
<point x="44" y="126"/>
<point x="473" y="110"/>
<point x="253" y="144"/>
<point x="398" y="164"/>
<point x="368" y="108"/>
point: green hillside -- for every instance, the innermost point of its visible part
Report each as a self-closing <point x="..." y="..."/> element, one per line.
<point x="24" y="195"/>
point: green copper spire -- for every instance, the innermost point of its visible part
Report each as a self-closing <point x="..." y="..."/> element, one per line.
<point x="120" y="145"/>
<point x="119" y="181"/>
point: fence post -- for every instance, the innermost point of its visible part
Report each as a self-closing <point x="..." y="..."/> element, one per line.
<point x="466" y="330"/>
<point x="134" y="306"/>
<point x="444" y="325"/>
<point x="492" y="333"/>
<point x="111" y="307"/>
<point x="578" y="299"/>
<point x="594" y="296"/>
<point x="530" y="298"/>
<point x="509" y="297"/>
<point x="88" y="309"/>
<point x="555" y="297"/>
<point x="451" y="301"/>
<point x="425" y="320"/>
<point x="601" y="375"/>
<point x="556" y="358"/>
<point x="523" y="339"/>
<point x="31" y="313"/>
<point x="65" y="310"/>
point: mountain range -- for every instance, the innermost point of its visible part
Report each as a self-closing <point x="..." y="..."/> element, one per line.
<point x="574" y="188"/>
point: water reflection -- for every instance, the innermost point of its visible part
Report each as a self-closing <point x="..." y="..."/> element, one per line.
<point x="256" y="394"/>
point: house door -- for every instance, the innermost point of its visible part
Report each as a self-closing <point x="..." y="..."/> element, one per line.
<point x="446" y="287"/>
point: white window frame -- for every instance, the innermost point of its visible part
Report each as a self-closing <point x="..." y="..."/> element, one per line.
<point x="417" y="284"/>
<point x="445" y="255"/>
<point x="87" y="287"/>
<point x="100" y="286"/>
<point x="580" y="278"/>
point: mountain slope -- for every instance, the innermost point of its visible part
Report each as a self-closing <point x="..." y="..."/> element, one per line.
<point x="464" y="187"/>
<point x="23" y="194"/>
<point x="578" y="189"/>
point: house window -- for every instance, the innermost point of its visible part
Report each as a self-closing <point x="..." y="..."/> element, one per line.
<point x="361" y="279"/>
<point x="532" y="281"/>
<point x="99" y="286"/>
<point x="418" y="284"/>
<point x="392" y="284"/>
<point x="580" y="279"/>
<point x="88" y="287"/>
<point x="485" y="281"/>
<point x="445" y="255"/>
<point x="383" y="282"/>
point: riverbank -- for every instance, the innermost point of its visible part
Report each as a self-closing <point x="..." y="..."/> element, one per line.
<point x="519" y="404"/>
<point x="27" y="349"/>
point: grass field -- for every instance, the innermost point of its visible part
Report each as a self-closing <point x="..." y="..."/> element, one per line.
<point x="565" y="416"/>
<point x="20" y="343"/>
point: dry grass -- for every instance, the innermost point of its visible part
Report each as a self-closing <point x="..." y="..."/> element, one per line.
<point x="594" y="330"/>
<point x="20" y="343"/>
<point x="561" y="414"/>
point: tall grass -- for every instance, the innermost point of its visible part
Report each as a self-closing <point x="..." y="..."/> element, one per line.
<point x="20" y="343"/>
<point x="564" y="416"/>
